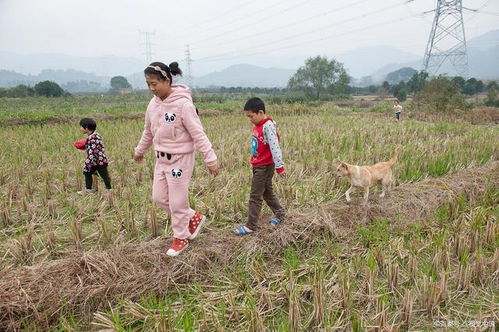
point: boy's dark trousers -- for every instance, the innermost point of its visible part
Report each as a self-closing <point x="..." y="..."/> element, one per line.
<point x="261" y="189"/>
<point x="104" y="174"/>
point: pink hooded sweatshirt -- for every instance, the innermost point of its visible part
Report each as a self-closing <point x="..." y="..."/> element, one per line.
<point x="173" y="126"/>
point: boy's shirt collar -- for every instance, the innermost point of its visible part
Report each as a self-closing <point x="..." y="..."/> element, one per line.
<point x="267" y="118"/>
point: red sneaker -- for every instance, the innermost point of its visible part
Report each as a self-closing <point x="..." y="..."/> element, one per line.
<point x="195" y="224"/>
<point x="178" y="245"/>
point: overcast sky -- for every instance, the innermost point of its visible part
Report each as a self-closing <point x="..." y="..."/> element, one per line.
<point x="220" y="31"/>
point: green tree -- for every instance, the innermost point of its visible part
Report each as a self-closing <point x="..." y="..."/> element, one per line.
<point x="460" y="82"/>
<point x="492" y="84"/>
<point x="319" y="76"/>
<point x="440" y="95"/>
<point x="492" y="97"/>
<point x="20" y="91"/>
<point x="400" y="91"/>
<point x="479" y="86"/>
<point x="401" y="75"/>
<point x="386" y="86"/>
<point x="372" y="89"/>
<point x="119" y="82"/>
<point x="417" y="81"/>
<point x="48" y="89"/>
<point x="473" y="86"/>
<point x="470" y="87"/>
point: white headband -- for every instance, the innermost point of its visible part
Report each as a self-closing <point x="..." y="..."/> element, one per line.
<point x="157" y="68"/>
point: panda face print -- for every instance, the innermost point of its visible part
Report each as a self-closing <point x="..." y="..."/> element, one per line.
<point x="170" y="117"/>
<point x="176" y="173"/>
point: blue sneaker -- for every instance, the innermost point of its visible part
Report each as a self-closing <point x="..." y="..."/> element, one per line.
<point x="275" y="221"/>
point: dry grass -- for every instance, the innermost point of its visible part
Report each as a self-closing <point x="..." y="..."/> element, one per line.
<point x="64" y="257"/>
<point x="476" y="116"/>
<point x="86" y="282"/>
<point x="38" y="182"/>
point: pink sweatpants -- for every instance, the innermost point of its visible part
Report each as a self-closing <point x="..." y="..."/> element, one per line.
<point x="170" y="190"/>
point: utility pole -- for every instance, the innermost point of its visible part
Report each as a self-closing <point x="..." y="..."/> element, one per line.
<point x="447" y="40"/>
<point x="188" y="60"/>
<point x="147" y="36"/>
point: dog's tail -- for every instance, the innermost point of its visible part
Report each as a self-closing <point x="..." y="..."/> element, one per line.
<point x="394" y="157"/>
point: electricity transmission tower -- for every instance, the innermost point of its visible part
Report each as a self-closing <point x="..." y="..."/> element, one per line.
<point x="188" y="60"/>
<point x="447" y="40"/>
<point x="147" y="36"/>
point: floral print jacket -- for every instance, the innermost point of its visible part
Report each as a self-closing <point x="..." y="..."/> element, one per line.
<point x="95" y="152"/>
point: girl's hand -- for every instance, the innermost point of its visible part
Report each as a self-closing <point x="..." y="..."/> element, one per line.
<point x="138" y="157"/>
<point x="213" y="169"/>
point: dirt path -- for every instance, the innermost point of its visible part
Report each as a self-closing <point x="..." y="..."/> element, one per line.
<point x="86" y="281"/>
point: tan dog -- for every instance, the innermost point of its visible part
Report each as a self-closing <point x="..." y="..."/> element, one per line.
<point x="366" y="176"/>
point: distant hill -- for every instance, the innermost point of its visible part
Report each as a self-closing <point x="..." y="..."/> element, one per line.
<point x="482" y="65"/>
<point x="108" y="65"/>
<point x="237" y="75"/>
<point x="70" y="80"/>
<point x="486" y="41"/>
<point x="364" y="61"/>
<point x="78" y="74"/>
<point x="483" y="57"/>
<point x="246" y="76"/>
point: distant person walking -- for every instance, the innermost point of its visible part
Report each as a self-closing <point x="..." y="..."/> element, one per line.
<point x="398" y="109"/>
<point x="173" y="127"/>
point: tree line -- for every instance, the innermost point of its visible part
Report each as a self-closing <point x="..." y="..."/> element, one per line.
<point x="319" y="78"/>
<point x="44" y="88"/>
<point x="52" y="89"/>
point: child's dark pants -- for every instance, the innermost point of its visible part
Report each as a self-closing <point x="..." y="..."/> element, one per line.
<point x="261" y="189"/>
<point x="102" y="170"/>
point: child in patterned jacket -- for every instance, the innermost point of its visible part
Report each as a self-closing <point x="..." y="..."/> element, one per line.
<point x="96" y="160"/>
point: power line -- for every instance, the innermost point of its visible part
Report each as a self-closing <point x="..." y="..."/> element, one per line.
<point x="254" y="22"/>
<point x="488" y="13"/>
<point x="479" y="10"/>
<point x="236" y="19"/>
<point x="252" y="35"/>
<point x="313" y="40"/>
<point x="309" y="31"/>
<point x="421" y="14"/>
<point x="217" y="17"/>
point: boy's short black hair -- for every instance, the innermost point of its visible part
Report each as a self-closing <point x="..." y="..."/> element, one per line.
<point x="87" y="123"/>
<point x="254" y="105"/>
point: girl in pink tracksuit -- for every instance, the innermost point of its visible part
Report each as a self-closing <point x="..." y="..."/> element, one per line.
<point x="173" y="127"/>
